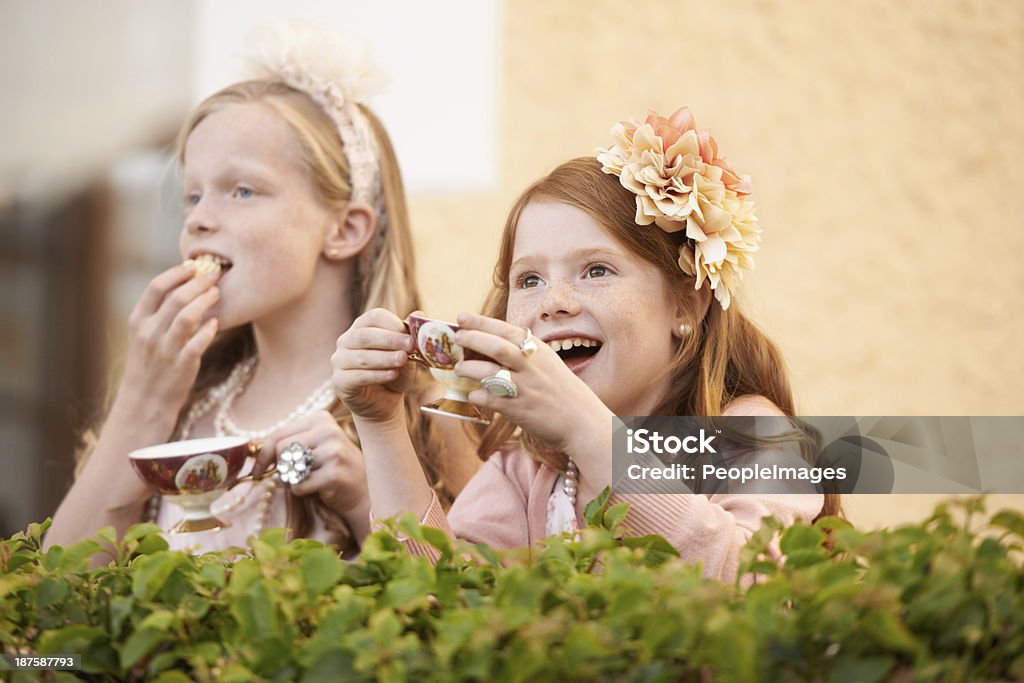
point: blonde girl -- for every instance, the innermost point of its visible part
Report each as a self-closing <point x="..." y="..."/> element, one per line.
<point x="612" y="296"/>
<point x="295" y="224"/>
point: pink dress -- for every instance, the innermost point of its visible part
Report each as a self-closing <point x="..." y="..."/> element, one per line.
<point x="505" y="506"/>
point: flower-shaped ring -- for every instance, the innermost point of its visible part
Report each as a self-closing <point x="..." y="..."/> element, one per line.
<point x="295" y="463"/>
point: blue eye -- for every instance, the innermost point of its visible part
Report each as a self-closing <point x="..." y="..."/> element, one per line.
<point x="244" y="192"/>
<point x="192" y="199"/>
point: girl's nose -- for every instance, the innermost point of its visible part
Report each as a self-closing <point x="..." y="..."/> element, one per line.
<point x="200" y="218"/>
<point x="559" y="300"/>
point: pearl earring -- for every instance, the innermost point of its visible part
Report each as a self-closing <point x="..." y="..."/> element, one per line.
<point x="684" y="329"/>
<point x="334" y="253"/>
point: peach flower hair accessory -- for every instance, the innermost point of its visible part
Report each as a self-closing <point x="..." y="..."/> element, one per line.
<point x="681" y="183"/>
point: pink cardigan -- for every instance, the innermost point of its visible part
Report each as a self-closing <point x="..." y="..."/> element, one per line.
<point x="505" y="506"/>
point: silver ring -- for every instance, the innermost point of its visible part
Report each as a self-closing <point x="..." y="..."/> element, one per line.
<point x="501" y="384"/>
<point x="529" y="346"/>
<point x="295" y="463"/>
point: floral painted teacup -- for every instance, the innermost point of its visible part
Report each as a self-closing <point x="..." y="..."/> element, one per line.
<point x="435" y="347"/>
<point x="193" y="474"/>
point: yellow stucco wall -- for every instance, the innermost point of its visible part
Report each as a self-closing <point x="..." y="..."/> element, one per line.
<point x="882" y="140"/>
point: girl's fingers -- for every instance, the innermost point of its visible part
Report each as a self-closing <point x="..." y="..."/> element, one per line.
<point x="201" y="340"/>
<point x="375" y="360"/>
<point x="491" y="345"/>
<point x="267" y="457"/>
<point x="309" y="430"/>
<point x="476" y="369"/>
<point x="485" y="399"/>
<point x="179" y="298"/>
<point x="500" y="328"/>
<point x="317" y="480"/>
<point x="375" y="338"/>
<point x="159" y="287"/>
<point x="379" y="317"/>
<point x="353" y="380"/>
<point x="191" y="316"/>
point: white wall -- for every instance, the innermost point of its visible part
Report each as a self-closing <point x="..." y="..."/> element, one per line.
<point x="442" y="57"/>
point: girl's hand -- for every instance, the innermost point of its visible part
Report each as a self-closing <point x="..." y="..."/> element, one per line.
<point x="337" y="475"/>
<point x="167" y="336"/>
<point x="552" y="402"/>
<point x="371" y="366"/>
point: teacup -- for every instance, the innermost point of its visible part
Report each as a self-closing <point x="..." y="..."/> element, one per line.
<point x="193" y="474"/>
<point x="435" y="347"/>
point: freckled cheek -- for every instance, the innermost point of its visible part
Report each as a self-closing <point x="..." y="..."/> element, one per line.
<point x="519" y="311"/>
<point x="635" y="320"/>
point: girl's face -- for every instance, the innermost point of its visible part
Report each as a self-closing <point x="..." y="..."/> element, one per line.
<point x="251" y="201"/>
<point x="571" y="282"/>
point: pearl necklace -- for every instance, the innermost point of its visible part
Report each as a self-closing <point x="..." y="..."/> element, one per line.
<point x="225" y="394"/>
<point x="572" y="481"/>
<point x="321" y="397"/>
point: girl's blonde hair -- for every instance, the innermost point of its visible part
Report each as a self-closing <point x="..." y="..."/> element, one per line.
<point x="725" y="357"/>
<point x="384" y="276"/>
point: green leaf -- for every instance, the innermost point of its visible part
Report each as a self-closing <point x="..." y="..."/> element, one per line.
<point x="264" y="552"/>
<point x="36" y="531"/>
<point x="851" y="669"/>
<point x="120" y="609"/>
<point x="160" y="620"/>
<point x="410" y="527"/>
<point x="593" y="513"/>
<point x="151" y="544"/>
<point x="488" y="554"/>
<point x="832" y="522"/>
<point x="276" y="538"/>
<point x="1011" y="520"/>
<point x="400" y="591"/>
<point x="151" y="572"/>
<point x="53" y="557"/>
<point x="762" y="567"/>
<point x="51" y="591"/>
<point x="653" y="542"/>
<point x="236" y="673"/>
<point x="438" y="539"/>
<point x="11" y="583"/>
<point x="71" y="639"/>
<point x="888" y="632"/>
<point x="334" y="666"/>
<point x="243" y="575"/>
<point x="108" y="534"/>
<point x="138" y="531"/>
<point x="800" y="537"/>
<point x="615" y="515"/>
<point x="139" y="644"/>
<point x="213" y="574"/>
<point x="321" y="570"/>
<point x="76" y="557"/>
<point x="172" y="677"/>
<point x="256" y="611"/>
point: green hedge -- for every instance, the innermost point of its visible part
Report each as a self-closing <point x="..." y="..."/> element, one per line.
<point x="941" y="600"/>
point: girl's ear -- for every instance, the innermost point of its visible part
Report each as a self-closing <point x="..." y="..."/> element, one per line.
<point x="351" y="232"/>
<point x="690" y="311"/>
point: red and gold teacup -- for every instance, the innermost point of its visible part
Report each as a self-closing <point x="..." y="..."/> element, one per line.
<point x="193" y="474"/>
<point x="435" y="347"/>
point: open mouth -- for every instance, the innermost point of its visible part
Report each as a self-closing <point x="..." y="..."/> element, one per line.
<point x="210" y="263"/>
<point x="575" y="352"/>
